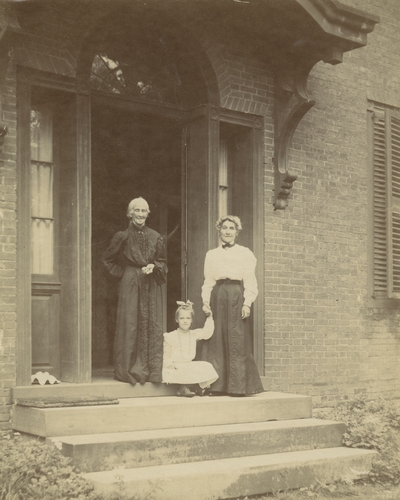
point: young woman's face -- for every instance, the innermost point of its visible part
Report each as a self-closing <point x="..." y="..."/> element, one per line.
<point x="184" y="320"/>
<point x="228" y="232"/>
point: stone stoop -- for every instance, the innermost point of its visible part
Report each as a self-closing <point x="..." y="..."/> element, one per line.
<point x="201" y="448"/>
<point x="234" y="477"/>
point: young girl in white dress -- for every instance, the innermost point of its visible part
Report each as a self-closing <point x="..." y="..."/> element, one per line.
<point x="180" y="350"/>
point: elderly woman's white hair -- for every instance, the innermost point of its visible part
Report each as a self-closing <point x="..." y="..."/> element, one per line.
<point x="134" y="203"/>
<point x="232" y="218"/>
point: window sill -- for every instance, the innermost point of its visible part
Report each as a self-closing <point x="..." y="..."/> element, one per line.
<point x="382" y="303"/>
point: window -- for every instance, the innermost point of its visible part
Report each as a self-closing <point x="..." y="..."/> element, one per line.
<point x="42" y="181"/>
<point x="140" y="66"/>
<point x="385" y="155"/>
<point x="223" y="179"/>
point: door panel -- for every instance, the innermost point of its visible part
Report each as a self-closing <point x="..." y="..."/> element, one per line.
<point x="45" y="329"/>
<point x="201" y="136"/>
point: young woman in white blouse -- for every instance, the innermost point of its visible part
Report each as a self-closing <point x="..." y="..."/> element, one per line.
<point x="229" y="290"/>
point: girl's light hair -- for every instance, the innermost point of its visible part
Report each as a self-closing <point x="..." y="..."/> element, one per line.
<point x="232" y="218"/>
<point x="184" y="306"/>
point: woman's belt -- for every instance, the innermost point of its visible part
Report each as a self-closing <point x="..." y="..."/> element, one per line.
<point x="129" y="263"/>
<point x="227" y="281"/>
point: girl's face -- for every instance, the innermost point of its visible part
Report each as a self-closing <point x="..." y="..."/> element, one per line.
<point x="184" y="320"/>
<point x="228" y="232"/>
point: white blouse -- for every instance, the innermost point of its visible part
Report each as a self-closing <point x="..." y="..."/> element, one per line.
<point x="235" y="263"/>
<point x="180" y="347"/>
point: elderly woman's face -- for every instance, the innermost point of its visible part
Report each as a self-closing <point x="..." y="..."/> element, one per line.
<point x="139" y="213"/>
<point x="228" y="232"/>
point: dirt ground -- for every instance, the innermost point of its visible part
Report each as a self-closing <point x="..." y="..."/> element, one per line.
<point x="338" y="492"/>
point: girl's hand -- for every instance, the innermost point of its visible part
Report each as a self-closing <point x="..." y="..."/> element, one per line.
<point x="245" y="312"/>
<point x="206" y="309"/>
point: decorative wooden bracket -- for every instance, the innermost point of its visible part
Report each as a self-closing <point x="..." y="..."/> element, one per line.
<point x="337" y="23"/>
<point x="292" y="103"/>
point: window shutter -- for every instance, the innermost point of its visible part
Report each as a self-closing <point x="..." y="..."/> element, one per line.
<point x="394" y="237"/>
<point x="379" y="204"/>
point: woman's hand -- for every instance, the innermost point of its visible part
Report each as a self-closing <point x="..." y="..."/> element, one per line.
<point x="245" y="312"/>
<point x="148" y="269"/>
<point x="206" y="309"/>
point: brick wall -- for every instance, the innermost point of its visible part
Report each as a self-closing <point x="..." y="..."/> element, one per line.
<point x="8" y="232"/>
<point x="322" y="337"/>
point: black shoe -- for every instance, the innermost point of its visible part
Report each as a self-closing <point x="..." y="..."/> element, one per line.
<point x="200" y="391"/>
<point x="185" y="392"/>
<point x="214" y="393"/>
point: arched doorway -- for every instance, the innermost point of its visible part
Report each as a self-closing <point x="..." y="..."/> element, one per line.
<point x="144" y="78"/>
<point x="115" y="137"/>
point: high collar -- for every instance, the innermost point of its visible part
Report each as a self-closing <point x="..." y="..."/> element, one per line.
<point x="136" y="227"/>
<point x="228" y="245"/>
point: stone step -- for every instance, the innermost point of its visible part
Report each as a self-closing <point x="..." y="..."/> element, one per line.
<point x="135" y="414"/>
<point x="108" y="388"/>
<point x="234" y="477"/>
<point x="98" y="387"/>
<point x="100" y="452"/>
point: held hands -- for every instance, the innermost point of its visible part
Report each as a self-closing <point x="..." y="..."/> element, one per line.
<point x="206" y="309"/>
<point x="245" y="312"/>
<point x="148" y="269"/>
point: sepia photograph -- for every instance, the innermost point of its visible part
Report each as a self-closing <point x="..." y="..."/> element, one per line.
<point x="199" y="249"/>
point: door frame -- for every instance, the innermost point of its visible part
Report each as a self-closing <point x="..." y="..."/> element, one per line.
<point x="76" y="350"/>
<point x="76" y="363"/>
<point x="256" y="124"/>
<point x="207" y="120"/>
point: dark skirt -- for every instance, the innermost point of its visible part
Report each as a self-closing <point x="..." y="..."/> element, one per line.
<point x="229" y="350"/>
<point x="138" y="344"/>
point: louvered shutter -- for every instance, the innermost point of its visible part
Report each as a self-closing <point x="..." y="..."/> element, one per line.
<point x="394" y="205"/>
<point x="380" y="278"/>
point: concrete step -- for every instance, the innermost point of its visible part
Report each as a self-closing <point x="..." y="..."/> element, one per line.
<point x="98" y="387"/>
<point x="104" y="387"/>
<point x="135" y="414"/>
<point x="100" y="452"/>
<point x="234" y="477"/>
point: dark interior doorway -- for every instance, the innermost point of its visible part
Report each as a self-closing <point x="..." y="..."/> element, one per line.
<point x="132" y="155"/>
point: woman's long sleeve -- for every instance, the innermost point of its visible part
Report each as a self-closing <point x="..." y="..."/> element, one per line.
<point x="111" y="258"/>
<point x="209" y="280"/>
<point x="249" y="279"/>
<point x="160" y="262"/>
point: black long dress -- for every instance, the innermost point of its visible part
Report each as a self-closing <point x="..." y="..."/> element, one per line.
<point x="230" y="276"/>
<point x="138" y="343"/>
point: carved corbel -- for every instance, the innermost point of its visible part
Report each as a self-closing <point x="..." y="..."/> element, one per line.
<point x="292" y="103"/>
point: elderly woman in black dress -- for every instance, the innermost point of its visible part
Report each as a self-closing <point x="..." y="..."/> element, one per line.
<point x="136" y="256"/>
<point x="229" y="290"/>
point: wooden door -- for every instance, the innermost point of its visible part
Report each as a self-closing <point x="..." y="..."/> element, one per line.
<point x="44" y="227"/>
<point x="223" y="174"/>
<point x="200" y="141"/>
<point x="54" y="310"/>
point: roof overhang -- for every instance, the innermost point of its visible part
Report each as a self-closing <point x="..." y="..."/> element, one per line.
<point x="290" y="35"/>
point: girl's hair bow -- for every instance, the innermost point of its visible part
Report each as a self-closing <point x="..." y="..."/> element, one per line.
<point x="185" y="305"/>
